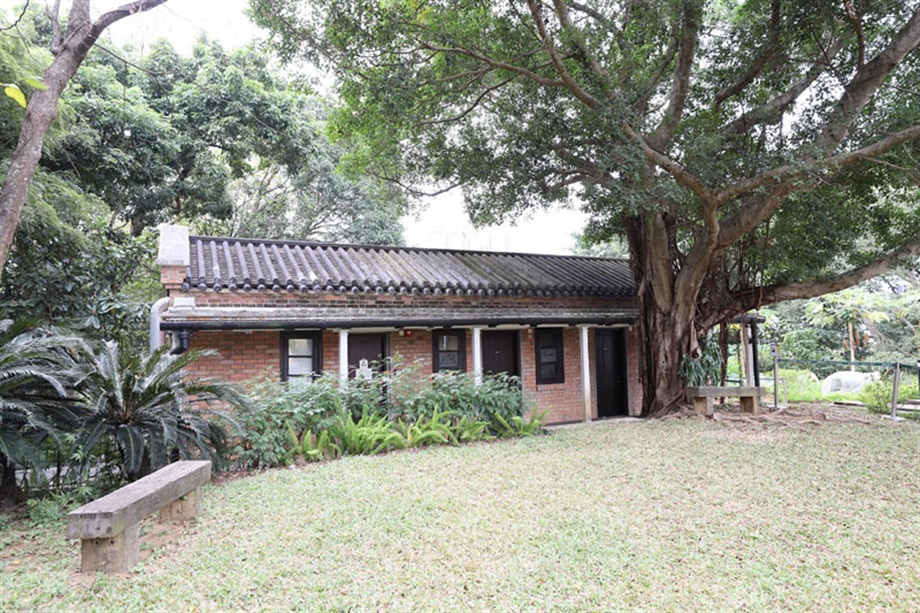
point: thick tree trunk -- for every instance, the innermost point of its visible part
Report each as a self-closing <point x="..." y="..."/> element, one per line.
<point x="666" y="326"/>
<point x="10" y="492"/>
<point x="70" y="51"/>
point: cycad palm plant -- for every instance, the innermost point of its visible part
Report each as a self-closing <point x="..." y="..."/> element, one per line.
<point x="147" y="410"/>
<point x="34" y="390"/>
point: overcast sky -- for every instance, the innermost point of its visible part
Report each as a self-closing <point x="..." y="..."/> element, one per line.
<point x="442" y="223"/>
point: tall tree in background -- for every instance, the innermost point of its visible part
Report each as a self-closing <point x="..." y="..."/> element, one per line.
<point x="70" y="45"/>
<point x="751" y="152"/>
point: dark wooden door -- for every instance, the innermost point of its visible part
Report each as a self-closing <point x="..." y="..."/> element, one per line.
<point x="500" y="352"/>
<point x="611" y="375"/>
<point x="370" y="347"/>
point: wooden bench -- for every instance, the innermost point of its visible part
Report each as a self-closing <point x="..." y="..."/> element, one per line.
<point x="702" y="397"/>
<point x="108" y="527"/>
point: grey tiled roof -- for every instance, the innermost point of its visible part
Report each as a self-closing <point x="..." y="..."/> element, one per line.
<point x="239" y="264"/>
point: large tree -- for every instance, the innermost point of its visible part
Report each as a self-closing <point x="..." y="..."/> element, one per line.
<point x="70" y="44"/>
<point x="750" y="152"/>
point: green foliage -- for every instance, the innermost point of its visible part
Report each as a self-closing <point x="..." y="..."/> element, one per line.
<point x="394" y="410"/>
<point x="277" y="408"/>
<point x="496" y="394"/>
<point x="36" y="381"/>
<point x="434" y="430"/>
<point x="878" y="395"/>
<point x="801" y="385"/>
<point x="468" y="429"/>
<point x="310" y="447"/>
<point x="68" y="265"/>
<point x="706" y="368"/>
<point x="369" y="435"/>
<point x="50" y="510"/>
<point x="517" y="426"/>
<point x="142" y="410"/>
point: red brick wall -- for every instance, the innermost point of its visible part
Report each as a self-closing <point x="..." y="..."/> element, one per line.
<point x="244" y="355"/>
<point x="247" y="355"/>
<point x="562" y="401"/>
<point x="241" y="355"/>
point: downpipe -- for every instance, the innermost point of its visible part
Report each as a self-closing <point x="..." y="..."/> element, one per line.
<point x="157" y="336"/>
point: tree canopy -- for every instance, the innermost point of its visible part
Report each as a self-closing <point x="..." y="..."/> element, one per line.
<point x="750" y="152"/>
<point x="217" y="139"/>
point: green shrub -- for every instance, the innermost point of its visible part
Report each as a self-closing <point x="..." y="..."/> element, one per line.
<point x="705" y="369"/>
<point x="467" y="429"/>
<point x="516" y="426"/>
<point x="801" y="385"/>
<point x="310" y="447"/>
<point x="369" y="435"/>
<point x="458" y="391"/>
<point x="434" y="430"/>
<point x="278" y="408"/>
<point x="877" y="396"/>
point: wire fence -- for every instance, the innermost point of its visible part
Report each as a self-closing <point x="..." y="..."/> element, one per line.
<point x="825" y="368"/>
<point x="895" y="380"/>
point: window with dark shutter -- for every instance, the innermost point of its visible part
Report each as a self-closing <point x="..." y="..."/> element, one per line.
<point x="300" y="357"/>
<point x="449" y="350"/>
<point x="550" y="366"/>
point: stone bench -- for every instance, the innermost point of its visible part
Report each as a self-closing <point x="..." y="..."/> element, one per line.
<point x="702" y="397"/>
<point x="108" y="527"/>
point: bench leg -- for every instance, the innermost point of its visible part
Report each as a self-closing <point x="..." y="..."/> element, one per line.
<point x="703" y="406"/>
<point x="182" y="509"/>
<point x="117" y="554"/>
<point x="750" y="404"/>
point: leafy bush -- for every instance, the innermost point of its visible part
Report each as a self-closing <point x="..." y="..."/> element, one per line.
<point x="368" y="436"/>
<point x="458" y="391"/>
<point x="143" y="411"/>
<point x="52" y="509"/>
<point x="516" y="426"/>
<point x="801" y="385"/>
<point x="432" y="431"/>
<point x="278" y="408"/>
<point x="392" y="411"/>
<point x="467" y="429"/>
<point x="877" y="396"/>
<point x="706" y="369"/>
<point x="310" y="447"/>
<point x="35" y="381"/>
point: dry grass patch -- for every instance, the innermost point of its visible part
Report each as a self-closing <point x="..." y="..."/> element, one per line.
<point x="672" y="514"/>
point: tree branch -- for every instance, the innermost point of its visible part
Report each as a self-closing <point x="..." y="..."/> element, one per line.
<point x="768" y="53"/>
<point x="867" y="80"/>
<point x="791" y="171"/>
<point x="689" y="35"/>
<point x="684" y="176"/>
<point x="781" y="102"/>
<point x="562" y="11"/>
<point x="494" y="63"/>
<point x="854" y="18"/>
<point x="756" y="297"/>
<point x="550" y="46"/>
<point x="470" y="108"/>
<point x="125" y="10"/>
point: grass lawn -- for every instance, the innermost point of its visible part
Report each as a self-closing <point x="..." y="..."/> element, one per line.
<point x="672" y="514"/>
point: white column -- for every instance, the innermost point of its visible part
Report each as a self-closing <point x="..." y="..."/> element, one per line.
<point x="585" y="372"/>
<point x="477" y="355"/>
<point x="343" y="356"/>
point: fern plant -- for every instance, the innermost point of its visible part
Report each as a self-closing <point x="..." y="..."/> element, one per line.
<point x="421" y="432"/>
<point x="468" y="429"/>
<point x="368" y="436"/>
<point x="310" y="447"/>
<point x="517" y="426"/>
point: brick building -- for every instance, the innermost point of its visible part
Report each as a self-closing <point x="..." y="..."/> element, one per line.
<point x="564" y="324"/>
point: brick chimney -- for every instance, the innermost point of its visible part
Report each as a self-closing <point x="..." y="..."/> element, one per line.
<point x="173" y="256"/>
